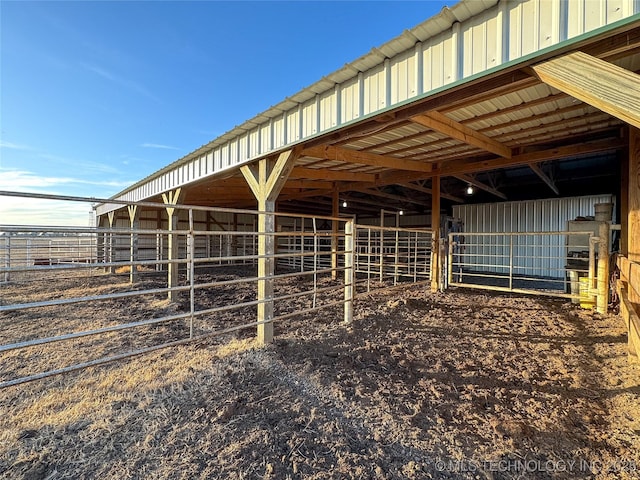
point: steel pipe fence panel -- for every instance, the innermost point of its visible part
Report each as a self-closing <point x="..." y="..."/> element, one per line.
<point x="389" y="255"/>
<point x="549" y="263"/>
<point x="69" y="299"/>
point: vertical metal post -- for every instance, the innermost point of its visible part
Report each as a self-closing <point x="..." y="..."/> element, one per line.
<point x="510" y="262"/>
<point x="450" y="260"/>
<point x="396" y="257"/>
<point x="191" y="268"/>
<point x="349" y="274"/>
<point x="7" y="256"/>
<point x="381" y="245"/>
<point x="172" y="254"/>
<point x="315" y="262"/>
<point x="302" y="247"/>
<point x="369" y="257"/>
<point x="133" y="242"/>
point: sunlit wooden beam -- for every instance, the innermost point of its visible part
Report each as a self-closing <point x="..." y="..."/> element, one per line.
<point x="329" y="152"/>
<point x="443" y="124"/>
<point x="601" y="84"/>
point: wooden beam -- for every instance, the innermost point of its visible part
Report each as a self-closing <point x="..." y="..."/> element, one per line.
<point x="279" y="173"/>
<point x="544" y="177"/>
<point x="331" y="175"/>
<point x="435" y="240"/>
<point x="443" y="124"/>
<point x="330" y="152"/>
<point x="482" y="186"/>
<point x="428" y="191"/>
<point x="601" y="84"/>
<point x="633" y="202"/>
<point x="390" y="196"/>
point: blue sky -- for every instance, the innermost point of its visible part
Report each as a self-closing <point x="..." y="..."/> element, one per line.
<point x="97" y="95"/>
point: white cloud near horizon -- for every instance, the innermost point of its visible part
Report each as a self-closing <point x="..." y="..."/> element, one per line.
<point x="158" y="145"/>
<point x="22" y="180"/>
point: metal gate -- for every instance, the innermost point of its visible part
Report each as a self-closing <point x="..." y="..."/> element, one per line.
<point x="389" y="255"/>
<point x="560" y="264"/>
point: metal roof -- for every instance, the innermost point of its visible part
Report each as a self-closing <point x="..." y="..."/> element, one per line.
<point x="453" y="50"/>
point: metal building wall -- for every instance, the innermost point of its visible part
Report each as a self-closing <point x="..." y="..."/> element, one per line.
<point x="467" y="39"/>
<point x="547" y="215"/>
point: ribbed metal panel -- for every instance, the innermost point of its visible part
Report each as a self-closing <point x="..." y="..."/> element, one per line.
<point x="548" y="215"/>
<point x="467" y="39"/>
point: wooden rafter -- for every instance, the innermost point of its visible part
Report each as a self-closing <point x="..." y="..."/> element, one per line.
<point x="601" y="84"/>
<point x="482" y="186"/>
<point x="443" y="124"/>
<point x="429" y="191"/>
<point x="462" y="166"/>
<point x="331" y="175"/>
<point x="390" y="196"/>
<point x="330" y="152"/>
<point x="544" y="177"/>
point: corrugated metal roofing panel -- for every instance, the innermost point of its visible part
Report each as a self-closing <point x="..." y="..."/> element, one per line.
<point x="466" y="39"/>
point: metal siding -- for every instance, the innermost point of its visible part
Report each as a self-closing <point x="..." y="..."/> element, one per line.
<point x="328" y="109"/>
<point x="403" y="76"/>
<point x="480" y="42"/>
<point x="464" y="40"/>
<point x="374" y="89"/>
<point x="278" y="132"/>
<point x="350" y="100"/>
<point x="529" y="216"/>
<point x="309" y="118"/>
<point x="293" y="125"/>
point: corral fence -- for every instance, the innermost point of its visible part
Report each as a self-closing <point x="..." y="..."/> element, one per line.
<point x="386" y="255"/>
<point x="559" y="264"/>
<point x="143" y="280"/>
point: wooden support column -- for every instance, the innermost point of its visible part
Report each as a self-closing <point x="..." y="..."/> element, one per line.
<point x="633" y="199"/>
<point x="172" y="197"/>
<point x="435" y="227"/>
<point x="335" y="213"/>
<point x="266" y="182"/>
<point x="134" y="224"/>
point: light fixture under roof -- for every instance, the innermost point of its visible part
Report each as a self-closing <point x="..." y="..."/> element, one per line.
<point x="401" y="212"/>
<point x="344" y="204"/>
<point x="470" y="189"/>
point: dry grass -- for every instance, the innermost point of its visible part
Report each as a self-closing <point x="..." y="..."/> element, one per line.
<point x="418" y="379"/>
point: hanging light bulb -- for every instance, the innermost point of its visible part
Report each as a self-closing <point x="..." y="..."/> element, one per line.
<point x="470" y="190"/>
<point x="401" y="212"/>
<point x="344" y="204"/>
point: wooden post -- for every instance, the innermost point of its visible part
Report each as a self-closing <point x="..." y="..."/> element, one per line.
<point x="266" y="182"/>
<point x="172" y="197"/>
<point x="633" y="203"/>
<point x="335" y="212"/>
<point x="134" y="223"/>
<point x="435" y="227"/>
<point x="349" y="275"/>
<point x="602" y="299"/>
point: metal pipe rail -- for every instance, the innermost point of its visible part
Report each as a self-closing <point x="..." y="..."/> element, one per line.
<point x="195" y="270"/>
<point x="523" y="262"/>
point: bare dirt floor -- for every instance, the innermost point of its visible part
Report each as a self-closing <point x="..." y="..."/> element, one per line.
<point x="462" y="384"/>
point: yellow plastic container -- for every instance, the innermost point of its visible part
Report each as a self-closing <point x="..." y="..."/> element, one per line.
<point x="586" y="299"/>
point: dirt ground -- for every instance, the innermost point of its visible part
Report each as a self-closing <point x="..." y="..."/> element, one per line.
<point x="459" y="384"/>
